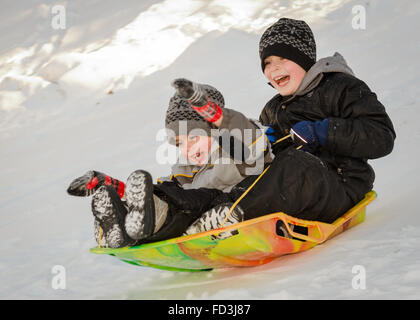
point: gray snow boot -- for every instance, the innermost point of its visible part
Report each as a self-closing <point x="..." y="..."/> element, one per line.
<point x="213" y="219"/>
<point x="108" y="218"/>
<point x="146" y="212"/>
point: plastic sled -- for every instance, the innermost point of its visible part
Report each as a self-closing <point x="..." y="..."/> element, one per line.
<point x="256" y="242"/>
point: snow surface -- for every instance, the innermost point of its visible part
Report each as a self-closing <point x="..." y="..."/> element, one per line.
<point x="94" y="95"/>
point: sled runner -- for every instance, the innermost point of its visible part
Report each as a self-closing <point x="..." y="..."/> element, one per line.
<point x="256" y="242"/>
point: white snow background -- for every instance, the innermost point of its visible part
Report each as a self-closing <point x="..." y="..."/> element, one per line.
<point x="94" y="94"/>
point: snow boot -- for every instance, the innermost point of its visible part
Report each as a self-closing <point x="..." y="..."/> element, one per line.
<point x="109" y="215"/>
<point x="146" y="211"/>
<point x="213" y="219"/>
<point x="87" y="184"/>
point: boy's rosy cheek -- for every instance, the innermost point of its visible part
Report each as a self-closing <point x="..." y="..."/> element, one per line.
<point x="183" y="152"/>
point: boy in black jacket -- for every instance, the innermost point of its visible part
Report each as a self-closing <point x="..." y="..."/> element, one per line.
<point x="334" y="115"/>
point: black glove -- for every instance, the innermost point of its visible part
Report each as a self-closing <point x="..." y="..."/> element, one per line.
<point x="87" y="184"/>
<point x="194" y="93"/>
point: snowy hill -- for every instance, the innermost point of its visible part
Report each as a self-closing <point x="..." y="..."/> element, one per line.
<point x="93" y="96"/>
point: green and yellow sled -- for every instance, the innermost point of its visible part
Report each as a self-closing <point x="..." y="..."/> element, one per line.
<point x="257" y="242"/>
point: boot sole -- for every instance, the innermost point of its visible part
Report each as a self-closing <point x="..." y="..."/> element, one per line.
<point x="103" y="209"/>
<point x="139" y="196"/>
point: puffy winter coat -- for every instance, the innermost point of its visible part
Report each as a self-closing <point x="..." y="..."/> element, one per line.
<point x="359" y="127"/>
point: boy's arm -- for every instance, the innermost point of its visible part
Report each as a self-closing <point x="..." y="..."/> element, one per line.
<point x="169" y="178"/>
<point x="361" y="127"/>
<point x="243" y="140"/>
<point x="180" y="175"/>
<point x="196" y="96"/>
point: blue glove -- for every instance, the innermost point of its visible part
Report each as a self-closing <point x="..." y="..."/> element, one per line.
<point x="310" y="133"/>
<point x="270" y="134"/>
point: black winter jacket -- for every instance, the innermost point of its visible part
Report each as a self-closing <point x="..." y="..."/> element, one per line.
<point x="359" y="128"/>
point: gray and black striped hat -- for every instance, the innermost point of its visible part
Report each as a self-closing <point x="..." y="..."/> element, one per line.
<point x="290" y="39"/>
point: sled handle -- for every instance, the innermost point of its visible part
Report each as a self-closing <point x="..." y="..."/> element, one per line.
<point x="324" y="229"/>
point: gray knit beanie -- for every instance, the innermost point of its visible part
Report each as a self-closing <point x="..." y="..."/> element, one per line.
<point x="182" y="119"/>
<point x="290" y="39"/>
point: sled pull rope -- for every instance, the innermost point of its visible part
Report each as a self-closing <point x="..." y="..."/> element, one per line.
<point x="242" y="196"/>
<point x="284" y="138"/>
<point x="252" y="185"/>
<point x="281" y="139"/>
<point x="100" y="236"/>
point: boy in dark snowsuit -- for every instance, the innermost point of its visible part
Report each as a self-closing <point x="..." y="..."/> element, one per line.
<point x="332" y="114"/>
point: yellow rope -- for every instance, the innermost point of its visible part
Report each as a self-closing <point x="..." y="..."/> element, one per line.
<point x="243" y="195"/>
<point x="100" y="236"/>
<point x="284" y="138"/>
<point x="252" y="185"/>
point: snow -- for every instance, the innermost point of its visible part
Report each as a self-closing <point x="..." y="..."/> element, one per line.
<point x="93" y="96"/>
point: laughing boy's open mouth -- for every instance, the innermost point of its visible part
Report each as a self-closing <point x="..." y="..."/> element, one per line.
<point x="282" y="80"/>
